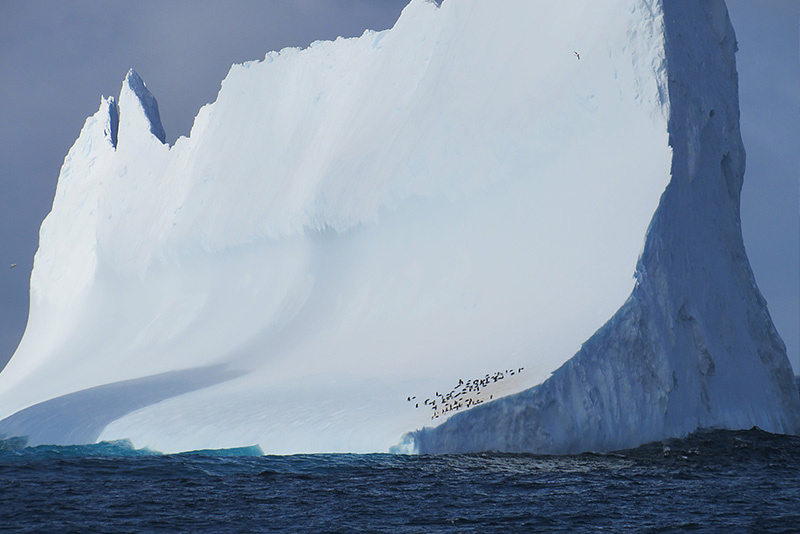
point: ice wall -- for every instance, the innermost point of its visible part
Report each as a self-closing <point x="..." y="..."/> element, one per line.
<point x="694" y="345"/>
<point x="357" y="228"/>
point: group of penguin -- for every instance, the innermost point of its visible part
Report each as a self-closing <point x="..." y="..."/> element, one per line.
<point x="458" y="397"/>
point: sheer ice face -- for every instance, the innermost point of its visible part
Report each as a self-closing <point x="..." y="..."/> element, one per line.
<point x="374" y="219"/>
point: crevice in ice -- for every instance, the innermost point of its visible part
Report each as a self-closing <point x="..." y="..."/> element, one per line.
<point x="112" y="127"/>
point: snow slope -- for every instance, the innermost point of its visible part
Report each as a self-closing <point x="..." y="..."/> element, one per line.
<point x="372" y="219"/>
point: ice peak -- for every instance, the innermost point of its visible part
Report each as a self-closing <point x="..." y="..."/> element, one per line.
<point x="135" y="86"/>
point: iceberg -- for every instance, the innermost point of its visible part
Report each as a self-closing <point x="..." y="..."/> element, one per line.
<point x="504" y="226"/>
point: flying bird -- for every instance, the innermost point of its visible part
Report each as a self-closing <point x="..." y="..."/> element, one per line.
<point x="577" y="55"/>
<point x="13" y="265"/>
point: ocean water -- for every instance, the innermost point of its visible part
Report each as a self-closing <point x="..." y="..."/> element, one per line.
<point x="719" y="481"/>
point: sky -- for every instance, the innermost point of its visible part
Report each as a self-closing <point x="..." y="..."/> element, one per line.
<point x="58" y="57"/>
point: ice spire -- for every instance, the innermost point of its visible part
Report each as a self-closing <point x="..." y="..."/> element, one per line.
<point x="134" y="94"/>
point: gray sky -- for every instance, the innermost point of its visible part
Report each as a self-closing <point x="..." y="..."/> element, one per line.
<point x="769" y="92"/>
<point x="58" y="57"/>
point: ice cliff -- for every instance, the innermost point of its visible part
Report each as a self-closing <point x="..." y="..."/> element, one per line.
<point x="430" y="225"/>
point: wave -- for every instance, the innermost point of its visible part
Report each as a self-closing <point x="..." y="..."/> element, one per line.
<point x="702" y="446"/>
<point x="18" y="447"/>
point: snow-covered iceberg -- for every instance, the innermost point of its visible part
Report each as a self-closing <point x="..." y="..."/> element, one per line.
<point x="417" y="227"/>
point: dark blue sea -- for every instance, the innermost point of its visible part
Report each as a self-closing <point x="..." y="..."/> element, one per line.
<point x="720" y="481"/>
